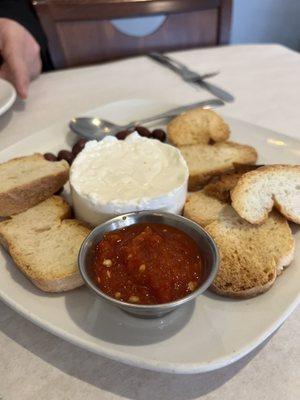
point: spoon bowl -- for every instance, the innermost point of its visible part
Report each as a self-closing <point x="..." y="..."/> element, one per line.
<point x="94" y="128"/>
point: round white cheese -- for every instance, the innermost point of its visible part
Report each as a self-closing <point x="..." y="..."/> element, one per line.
<point x="113" y="177"/>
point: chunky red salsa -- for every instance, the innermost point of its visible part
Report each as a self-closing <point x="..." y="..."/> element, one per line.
<point x="147" y="263"/>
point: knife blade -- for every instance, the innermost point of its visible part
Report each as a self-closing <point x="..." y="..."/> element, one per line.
<point x="192" y="77"/>
<point x="215" y="90"/>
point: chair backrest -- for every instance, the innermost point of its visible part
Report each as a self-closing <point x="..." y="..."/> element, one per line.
<point x="80" y="31"/>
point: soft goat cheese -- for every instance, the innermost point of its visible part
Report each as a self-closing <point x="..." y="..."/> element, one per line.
<point x="112" y="177"/>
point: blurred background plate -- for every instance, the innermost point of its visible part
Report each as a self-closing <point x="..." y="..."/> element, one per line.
<point x="7" y="96"/>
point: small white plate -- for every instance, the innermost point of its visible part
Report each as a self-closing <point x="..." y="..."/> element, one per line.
<point x="7" y="95"/>
<point x="208" y="334"/>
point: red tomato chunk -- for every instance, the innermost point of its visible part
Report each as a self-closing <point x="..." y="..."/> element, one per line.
<point x="147" y="264"/>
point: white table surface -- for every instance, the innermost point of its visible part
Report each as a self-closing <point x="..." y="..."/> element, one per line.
<point x="34" y="364"/>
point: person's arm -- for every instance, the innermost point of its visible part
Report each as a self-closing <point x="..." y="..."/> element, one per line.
<point x="21" y="12"/>
<point x="23" y="45"/>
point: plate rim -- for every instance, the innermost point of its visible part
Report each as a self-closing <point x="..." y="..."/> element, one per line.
<point x="152" y="365"/>
<point x="12" y="98"/>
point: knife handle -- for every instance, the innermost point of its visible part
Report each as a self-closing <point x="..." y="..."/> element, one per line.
<point x="165" y="60"/>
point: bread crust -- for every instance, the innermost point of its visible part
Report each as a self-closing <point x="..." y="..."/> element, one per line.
<point x="197" y="179"/>
<point x="244" y="294"/>
<point x="51" y="284"/>
<point x="59" y="280"/>
<point x="59" y="285"/>
<point x="251" y="256"/>
<point x="221" y="186"/>
<point x="22" y="197"/>
<point x="203" y="209"/>
<point x="282" y="264"/>
<point x="26" y="196"/>
<point x="197" y="126"/>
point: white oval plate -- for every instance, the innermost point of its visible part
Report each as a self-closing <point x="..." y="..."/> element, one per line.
<point x="7" y="95"/>
<point x="209" y="334"/>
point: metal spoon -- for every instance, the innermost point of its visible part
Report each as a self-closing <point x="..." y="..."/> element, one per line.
<point x="97" y="128"/>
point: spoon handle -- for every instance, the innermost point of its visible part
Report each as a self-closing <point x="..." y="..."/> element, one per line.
<point x="175" y="111"/>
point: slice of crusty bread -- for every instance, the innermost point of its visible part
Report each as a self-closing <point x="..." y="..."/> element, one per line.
<point x="251" y="256"/>
<point x="220" y="186"/>
<point x="204" y="209"/>
<point x="258" y="191"/>
<point x="45" y="245"/>
<point x="26" y="181"/>
<point x="197" y="126"/>
<point x="206" y="161"/>
<point x="212" y="202"/>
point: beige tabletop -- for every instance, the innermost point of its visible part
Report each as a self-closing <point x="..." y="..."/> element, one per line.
<point x="34" y="364"/>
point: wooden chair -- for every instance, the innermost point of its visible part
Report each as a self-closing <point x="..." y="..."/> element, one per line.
<point x="80" y="32"/>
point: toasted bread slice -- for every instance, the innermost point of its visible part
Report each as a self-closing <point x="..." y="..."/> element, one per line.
<point x="258" y="191"/>
<point x="45" y="245"/>
<point x="212" y="202"/>
<point x="26" y="181"/>
<point x="206" y="161"/>
<point x="197" y="126"/>
<point x="221" y="186"/>
<point x="251" y="256"/>
<point x="204" y="209"/>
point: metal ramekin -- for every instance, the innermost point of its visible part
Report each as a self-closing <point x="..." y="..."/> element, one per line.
<point x="206" y="245"/>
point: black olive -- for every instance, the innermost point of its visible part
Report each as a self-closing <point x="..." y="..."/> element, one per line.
<point x="159" y="134"/>
<point x="78" y="146"/>
<point x="50" y="157"/>
<point x="65" y="155"/>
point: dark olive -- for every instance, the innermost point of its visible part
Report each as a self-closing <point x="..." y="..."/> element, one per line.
<point x="50" y="157"/>
<point x="122" y="135"/>
<point x="78" y="146"/>
<point x="65" y="155"/>
<point x="143" y="131"/>
<point x="159" y="134"/>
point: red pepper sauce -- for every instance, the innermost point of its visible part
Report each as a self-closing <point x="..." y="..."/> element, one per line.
<point x="147" y="263"/>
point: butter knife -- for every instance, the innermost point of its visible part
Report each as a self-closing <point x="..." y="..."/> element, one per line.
<point x="192" y="77"/>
